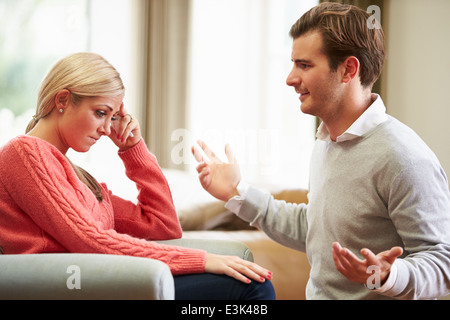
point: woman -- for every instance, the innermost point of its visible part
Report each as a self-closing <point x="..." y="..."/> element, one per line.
<point x="47" y="204"/>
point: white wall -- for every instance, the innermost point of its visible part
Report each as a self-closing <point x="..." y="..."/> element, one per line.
<point x="417" y="71"/>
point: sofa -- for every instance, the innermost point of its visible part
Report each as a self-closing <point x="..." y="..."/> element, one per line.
<point x="204" y="217"/>
<point x="210" y="220"/>
<point x="206" y="225"/>
<point x="73" y="276"/>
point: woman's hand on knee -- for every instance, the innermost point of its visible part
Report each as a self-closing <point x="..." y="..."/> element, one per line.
<point x="237" y="268"/>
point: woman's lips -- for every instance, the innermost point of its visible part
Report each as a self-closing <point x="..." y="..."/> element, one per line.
<point x="93" y="140"/>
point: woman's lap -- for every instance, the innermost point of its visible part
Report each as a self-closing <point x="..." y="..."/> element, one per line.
<point x="207" y="286"/>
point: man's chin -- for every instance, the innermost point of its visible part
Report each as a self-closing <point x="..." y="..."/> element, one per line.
<point x="306" y="109"/>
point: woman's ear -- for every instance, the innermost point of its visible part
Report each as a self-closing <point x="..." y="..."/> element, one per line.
<point x="351" y="69"/>
<point x="62" y="98"/>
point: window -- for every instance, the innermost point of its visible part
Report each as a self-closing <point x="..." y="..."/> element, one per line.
<point x="240" y="58"/>
<point x="35" y="34"/>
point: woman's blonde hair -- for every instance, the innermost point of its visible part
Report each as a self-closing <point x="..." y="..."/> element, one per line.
<point x="84" y="74"/>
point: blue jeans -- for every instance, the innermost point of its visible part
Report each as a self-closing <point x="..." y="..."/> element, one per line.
<point x="207" y="286"/>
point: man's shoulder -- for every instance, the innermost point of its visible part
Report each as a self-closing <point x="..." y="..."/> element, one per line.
<point x="399" y="142"/>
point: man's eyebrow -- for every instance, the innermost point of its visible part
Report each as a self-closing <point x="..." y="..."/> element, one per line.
<point x="301" y="61"/>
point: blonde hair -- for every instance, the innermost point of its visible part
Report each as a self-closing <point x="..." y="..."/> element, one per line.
<point x="84" y="74"/>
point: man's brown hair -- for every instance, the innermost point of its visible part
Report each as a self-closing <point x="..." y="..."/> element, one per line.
<point x="345" y="32"/>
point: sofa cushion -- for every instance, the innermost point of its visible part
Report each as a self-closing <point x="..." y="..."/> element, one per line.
<point x="212" y="215"/>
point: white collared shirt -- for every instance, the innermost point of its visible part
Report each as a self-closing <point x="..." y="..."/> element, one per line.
<point x="372" y="117"/>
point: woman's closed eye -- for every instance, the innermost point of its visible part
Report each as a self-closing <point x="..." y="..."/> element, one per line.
<point x="100" y="113"/>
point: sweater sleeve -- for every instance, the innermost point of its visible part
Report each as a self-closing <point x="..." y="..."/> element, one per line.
<point x="44" y="185"/>
<point x="285" y="223"/>
<point x="419" y="206"/>
<point x="154" y="217"/>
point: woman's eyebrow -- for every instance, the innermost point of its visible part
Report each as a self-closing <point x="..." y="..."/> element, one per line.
<point x="105" y="105"/>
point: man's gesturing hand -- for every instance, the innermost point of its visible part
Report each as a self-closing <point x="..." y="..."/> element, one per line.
<point x="219" y="178"/>
<point x="355" y="269"/>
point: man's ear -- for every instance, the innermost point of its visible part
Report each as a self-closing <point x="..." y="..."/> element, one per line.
<point x="62" y="98"/>
<point x="350" y="69"/>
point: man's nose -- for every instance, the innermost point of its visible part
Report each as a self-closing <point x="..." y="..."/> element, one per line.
<point x="293" y="79"/>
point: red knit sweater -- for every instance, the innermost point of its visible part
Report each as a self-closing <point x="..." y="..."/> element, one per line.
<point x="45" y="208"/>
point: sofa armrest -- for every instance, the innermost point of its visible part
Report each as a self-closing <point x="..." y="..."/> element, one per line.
<point x="83" y="276"/>
<point x="99" y="276"/>
<point x="222" y="247"/>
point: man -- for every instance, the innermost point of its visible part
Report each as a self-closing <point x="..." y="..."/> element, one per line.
<point x="378" y="219"/>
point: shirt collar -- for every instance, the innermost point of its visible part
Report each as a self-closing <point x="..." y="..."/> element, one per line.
<point x="372" y="117"/>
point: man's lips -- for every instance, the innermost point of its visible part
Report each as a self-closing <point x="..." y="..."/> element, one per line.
<point x="303" y="96"/>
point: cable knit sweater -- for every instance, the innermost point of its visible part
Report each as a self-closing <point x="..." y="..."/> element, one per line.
<point x="45" y="208"/>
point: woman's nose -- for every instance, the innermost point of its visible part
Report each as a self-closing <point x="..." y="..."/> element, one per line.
<point x="105" y="129"/>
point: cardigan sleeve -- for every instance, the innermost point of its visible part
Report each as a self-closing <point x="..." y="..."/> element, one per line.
<point x="41" y="182"/>
<point x="154" y="216"/>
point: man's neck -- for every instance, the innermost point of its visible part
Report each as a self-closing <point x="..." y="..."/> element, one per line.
<point x="351" y="110"/>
